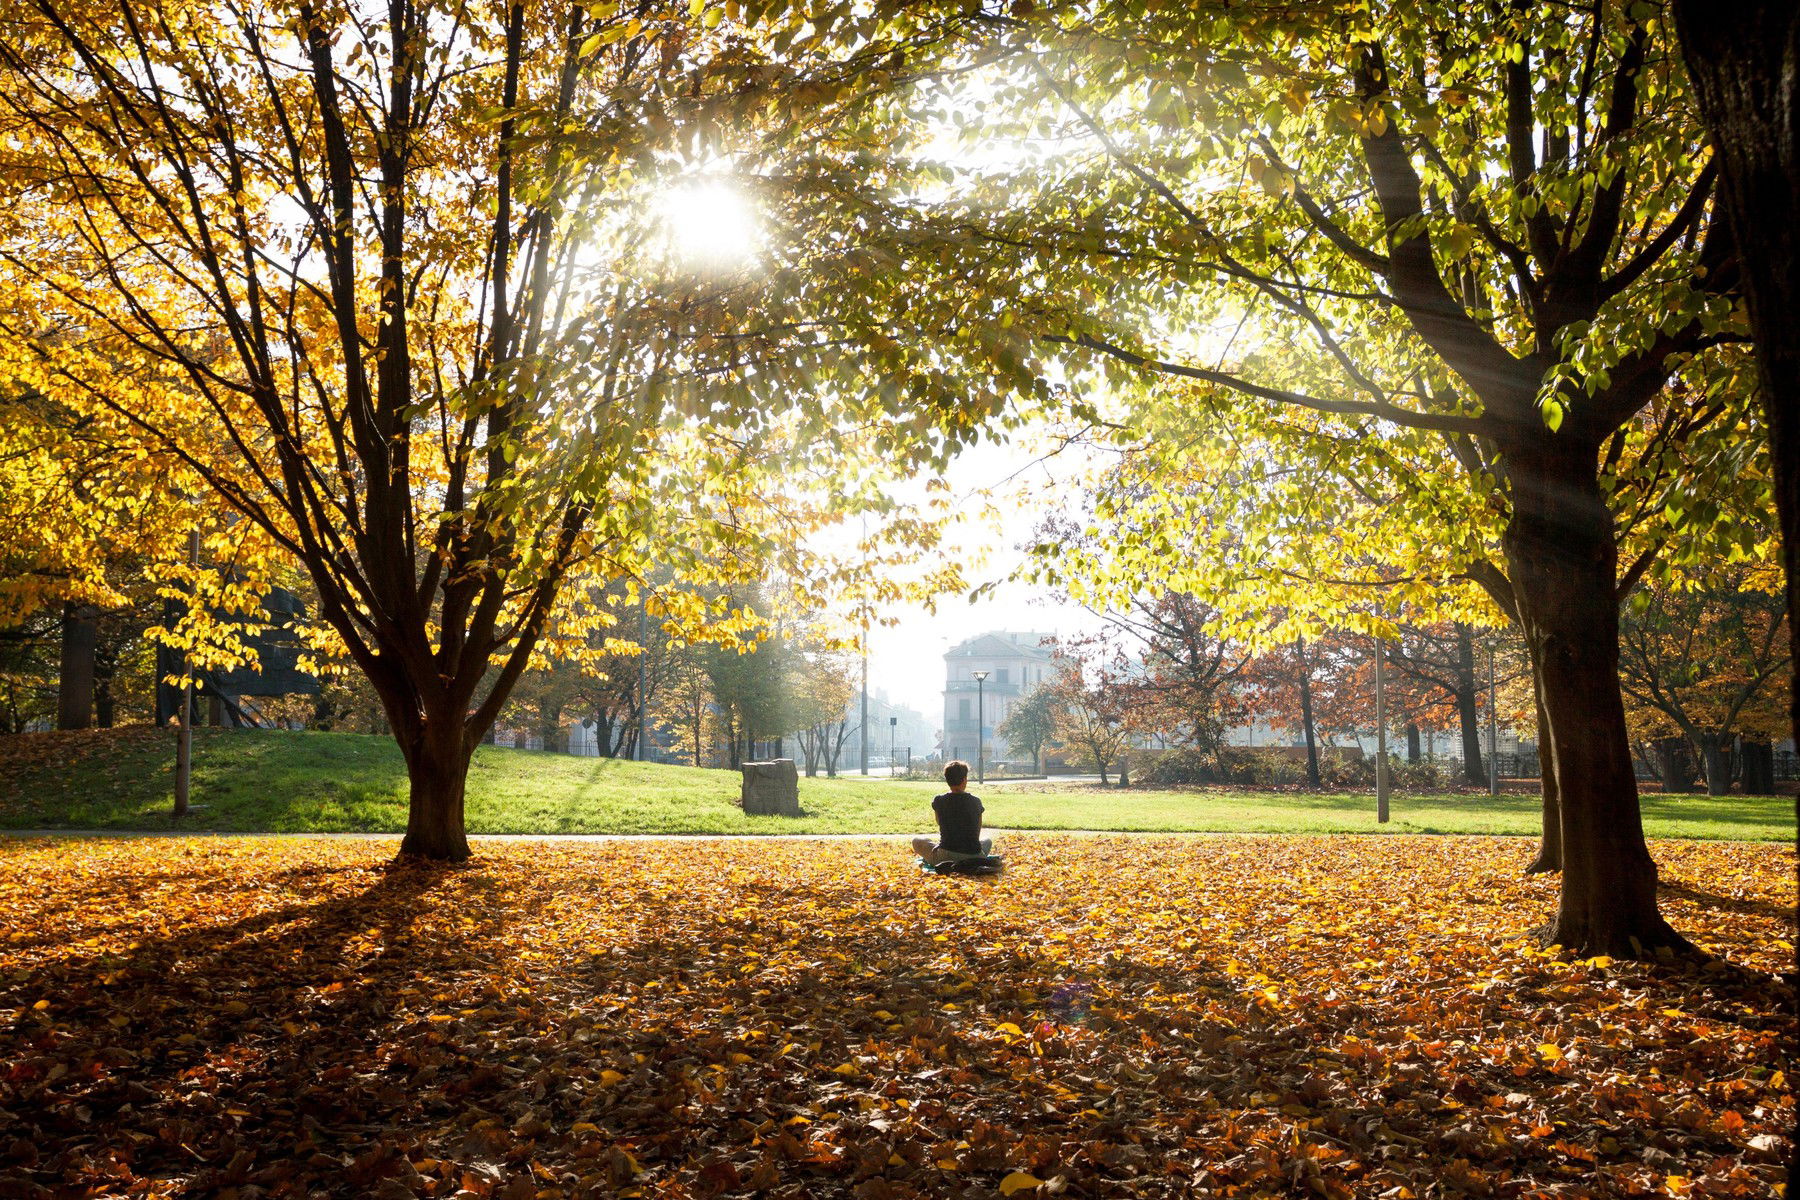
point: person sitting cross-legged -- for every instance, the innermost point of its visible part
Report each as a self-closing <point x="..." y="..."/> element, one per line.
<point x="959" y="822"/>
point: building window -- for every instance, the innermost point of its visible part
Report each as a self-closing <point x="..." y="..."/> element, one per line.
<point x="962" y="710"/>
<point x="1000" y="675"/>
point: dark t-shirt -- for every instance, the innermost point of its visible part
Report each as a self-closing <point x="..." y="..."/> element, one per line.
<point x="959" y="822"/>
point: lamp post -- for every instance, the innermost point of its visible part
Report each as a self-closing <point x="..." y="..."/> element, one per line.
<point x="893" y="741"/>
<point x="1381" y="778"/>
<point x="980" y="726"/>
<point x="1493" y="728"/>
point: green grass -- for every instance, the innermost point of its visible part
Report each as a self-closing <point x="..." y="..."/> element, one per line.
<point x="262" y="781"/>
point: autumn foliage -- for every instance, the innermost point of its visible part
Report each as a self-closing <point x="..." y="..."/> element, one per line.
<point x="1113" y="1017"/>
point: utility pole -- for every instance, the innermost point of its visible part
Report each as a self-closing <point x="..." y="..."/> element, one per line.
<point x="1381" y="774"/>
<point x="643" y="706"/>
<point x="184" y="734"/>
<point x="1493" y="727"/>
<point x="865" y="698"/>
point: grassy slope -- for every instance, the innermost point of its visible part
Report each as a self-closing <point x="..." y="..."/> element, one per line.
<point x="319" y="782"/>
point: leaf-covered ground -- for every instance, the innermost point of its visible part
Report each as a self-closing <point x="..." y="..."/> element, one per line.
<point x="1113" y="1017"/>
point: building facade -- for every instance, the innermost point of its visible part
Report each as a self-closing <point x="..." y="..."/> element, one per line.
<point x="1017" y="664"/>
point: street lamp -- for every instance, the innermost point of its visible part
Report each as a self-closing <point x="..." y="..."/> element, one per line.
<point x="893" y="740"/>
<point x="1381" y="776"/>
<point x="1493" y="725"/>
<point x="980" y="727"/>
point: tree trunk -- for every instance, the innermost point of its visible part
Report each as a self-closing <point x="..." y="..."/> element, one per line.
<point x="1563" y="563"/>
<point x="1468" y="711"/>
<point x="1759" y="768"/>
<point x="1412" y="742"/>
<point x="75" y="682"/>
<point x="1672" y="766"/>
<point x="106" y="665"/>
<point x="437" y="769"/>
<point x="1307" y="728"/>
<point x="1743" y="57"/>
<point x="1717" y="762"/>
<point x="1549" y="855"/>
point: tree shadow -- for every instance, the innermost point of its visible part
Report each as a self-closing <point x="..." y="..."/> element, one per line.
<point x="185" y="1048"/>
<point x="756" y="1034"/>
<point x="1730" y="904"/>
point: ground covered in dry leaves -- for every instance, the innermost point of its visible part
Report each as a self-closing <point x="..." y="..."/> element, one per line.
<point x="1113" y="1017"/>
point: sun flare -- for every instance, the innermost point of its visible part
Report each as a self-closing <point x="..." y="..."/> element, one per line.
<point x="709" y="223"/>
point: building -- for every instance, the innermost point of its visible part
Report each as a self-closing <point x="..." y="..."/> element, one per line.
<point x="1016" y="664"/>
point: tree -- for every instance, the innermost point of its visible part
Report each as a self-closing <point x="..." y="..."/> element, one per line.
<point x="1701" y="658"/>
<point x="1743" y="57"/>
<point x="1442" y="659"/>
<point x="1031" y="724"/>
<point x="1516" y="342"/>
<point x="691" y="703"/>
<point x="1156" y="650"/>
<point x="824" y="690"/>
<point x="1090" y="722"/>
<point x="88" y="523"/>
<point x="388" y="283"/>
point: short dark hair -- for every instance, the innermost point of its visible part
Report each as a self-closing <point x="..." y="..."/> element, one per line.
<point x="956" y="773"/>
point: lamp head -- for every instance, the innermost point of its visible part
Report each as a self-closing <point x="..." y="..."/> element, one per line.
<point x="979" y="675"/>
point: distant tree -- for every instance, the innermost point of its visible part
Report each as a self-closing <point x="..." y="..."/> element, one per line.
<point x="1032" y="724"/>
<point x="692" y="709"/>
<point x="1705" y="663"/>
<point x="1091" y="724"/>
<point x="1440" y="661"/>
<point x="823" y="691"/>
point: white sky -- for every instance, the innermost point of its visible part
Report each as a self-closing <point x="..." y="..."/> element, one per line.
<point x="1003" y="493"/>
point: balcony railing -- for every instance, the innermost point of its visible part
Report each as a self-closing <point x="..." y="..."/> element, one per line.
<point x="960" y="686"/>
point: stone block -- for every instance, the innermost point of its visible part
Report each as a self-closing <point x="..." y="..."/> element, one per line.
<point x="771" y="788"/>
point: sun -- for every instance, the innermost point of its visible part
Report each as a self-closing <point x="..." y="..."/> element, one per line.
<point x="709" y="223"/>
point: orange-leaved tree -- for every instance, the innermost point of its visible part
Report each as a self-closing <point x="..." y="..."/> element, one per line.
<point x="386" y="281"/>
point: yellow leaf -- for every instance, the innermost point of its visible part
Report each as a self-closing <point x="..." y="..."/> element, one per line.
<point x="1550" y="1053"/>
<point x="1019" y="1181"/>
<point x="609" y="1077"/>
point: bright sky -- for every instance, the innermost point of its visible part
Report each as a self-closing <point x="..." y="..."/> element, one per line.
<point x="907" y="660"/>
<point x="1003" y="490"/>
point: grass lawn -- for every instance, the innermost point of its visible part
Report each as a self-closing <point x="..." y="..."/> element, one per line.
<point x="264" y="781"/>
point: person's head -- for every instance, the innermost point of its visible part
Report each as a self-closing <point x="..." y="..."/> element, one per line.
<point x="956" y="774"/>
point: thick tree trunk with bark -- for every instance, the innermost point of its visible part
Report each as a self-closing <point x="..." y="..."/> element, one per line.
<point x="1743" y="57"/>
<point x="1412" y="742"/>
<point x="1716" y="760"/>
<point x="75" y="683"/>
<point x="437" y="768"/>
<point x="1468" y="712"/>
<point x="1306" y="714"/>
<point x="1759" y="768"/>
<point x="1563" y="563"/>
